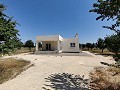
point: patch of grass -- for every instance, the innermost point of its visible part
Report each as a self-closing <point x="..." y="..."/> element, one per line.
<point x="10" y="68"/>
<point x="98" y="51"/>
<point x="105" y="79"/>
<point x="24" y="50"/>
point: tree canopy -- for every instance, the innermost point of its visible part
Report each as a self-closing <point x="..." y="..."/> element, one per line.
<point x="113" y="43"/>
<point x="8" y="33"/>
<point x="110" y="10"/>
<point x="29" y="43"/>
<point x="101" y="44"/>
<point x="90" y="45"/>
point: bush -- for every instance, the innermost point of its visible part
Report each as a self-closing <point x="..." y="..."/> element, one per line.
<point x="117" y="57"/>
<point x="29" y="44"/>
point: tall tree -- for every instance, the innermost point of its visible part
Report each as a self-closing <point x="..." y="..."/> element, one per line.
<point x="82" y="46"/>
<point x="8" y="33"/>
<point x="29" y="44"/>
<point x="113" y="43"/>
<point x="90" y="45"/>
<point x="110" y="10"/>
<point x="101" y="44"/>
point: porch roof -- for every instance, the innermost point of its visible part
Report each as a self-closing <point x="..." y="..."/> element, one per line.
<point x="49" y="38"/>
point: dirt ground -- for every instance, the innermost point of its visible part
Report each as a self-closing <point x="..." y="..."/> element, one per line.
<point x="45" y="65"/>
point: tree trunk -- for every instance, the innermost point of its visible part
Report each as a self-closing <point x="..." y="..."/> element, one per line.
<point x="30" y="49"/>
<point x="91" y="49"/>
<point x="102" y="50"/>
<point x="116" y="53"/>
<point x="88" y="49"/>
<point x="116" y="57"/>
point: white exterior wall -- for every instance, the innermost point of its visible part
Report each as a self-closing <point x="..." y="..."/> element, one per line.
<point x="66" y="45"/>
<point x="58" y="43"/>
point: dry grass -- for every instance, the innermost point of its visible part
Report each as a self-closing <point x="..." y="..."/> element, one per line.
<point x="98" y="51"/>
<point x="105" y="79"/>
<point x="24" y="50"/>
<point x="10" y="68"/>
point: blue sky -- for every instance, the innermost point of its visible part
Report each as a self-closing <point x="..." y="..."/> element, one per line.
<point x="63" y="17"/>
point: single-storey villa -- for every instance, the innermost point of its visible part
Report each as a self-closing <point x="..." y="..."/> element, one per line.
<point x="56" y="44"/>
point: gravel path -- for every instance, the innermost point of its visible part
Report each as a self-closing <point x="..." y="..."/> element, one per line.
<point x="45" y="65"/>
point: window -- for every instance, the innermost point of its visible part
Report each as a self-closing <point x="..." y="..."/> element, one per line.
<point x="72" y="44"/>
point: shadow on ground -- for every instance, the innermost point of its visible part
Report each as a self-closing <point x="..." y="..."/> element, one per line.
<point x="66" y="81"/>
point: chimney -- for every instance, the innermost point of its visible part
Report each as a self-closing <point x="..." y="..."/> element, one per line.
<point x="76" y="36"/>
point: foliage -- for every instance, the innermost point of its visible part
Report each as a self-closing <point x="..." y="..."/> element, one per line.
<point x="82" y="46"/>
<point x="8" y="33"/>
<point x="29" y="43"/>
<point x="2" y="8"/>
<point x="113" y="43"/>
<point x="90" y="45"/>
<point x="97" y="51"/>
<point x="101" y="44"/>
<point x="117" y="58"/>
<point x="110" y="10"/>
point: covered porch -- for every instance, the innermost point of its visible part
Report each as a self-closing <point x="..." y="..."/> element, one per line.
<point x="48" y="44"/>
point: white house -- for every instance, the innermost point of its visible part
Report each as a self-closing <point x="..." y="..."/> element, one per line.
<point x="56" y="44"/>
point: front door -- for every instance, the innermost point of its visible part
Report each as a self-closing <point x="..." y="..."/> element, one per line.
<point x="48" y="46"/>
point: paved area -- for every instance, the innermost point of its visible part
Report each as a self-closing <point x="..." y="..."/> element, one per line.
<point x="83" y="53"/>
<point x="45" y="65"/>
<point x="75" y="54"/>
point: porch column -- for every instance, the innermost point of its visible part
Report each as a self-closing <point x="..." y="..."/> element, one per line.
<point x="36" y="46"/>
<point x="58" y="46"/>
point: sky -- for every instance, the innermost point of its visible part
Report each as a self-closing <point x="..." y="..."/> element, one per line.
<point x="56" y="17"/>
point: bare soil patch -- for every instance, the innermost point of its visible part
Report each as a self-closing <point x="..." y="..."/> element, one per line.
<point x="10" y="68"/>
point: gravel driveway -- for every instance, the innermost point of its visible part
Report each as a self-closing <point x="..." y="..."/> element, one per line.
<point x="34" y="78"/>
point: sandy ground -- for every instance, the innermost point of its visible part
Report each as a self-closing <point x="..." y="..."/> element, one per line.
<point x="45" y="65"/>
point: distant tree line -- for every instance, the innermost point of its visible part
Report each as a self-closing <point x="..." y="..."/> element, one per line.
<point x="87" y="45"/>
<point x="29" y="44"/>
<point x="111" y="42"/>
